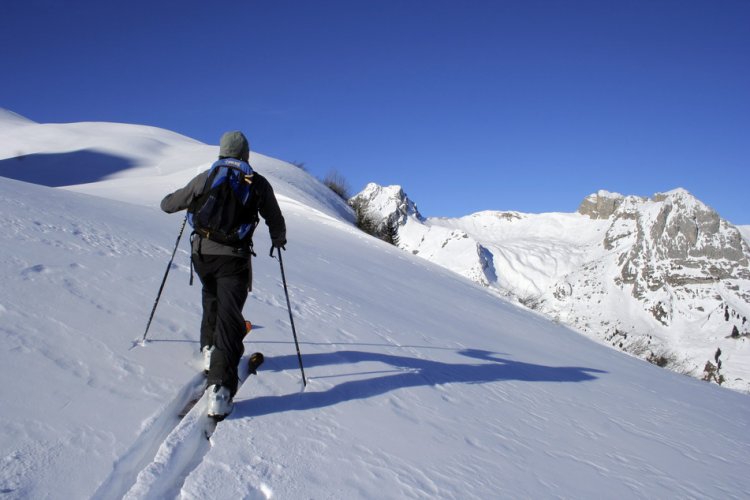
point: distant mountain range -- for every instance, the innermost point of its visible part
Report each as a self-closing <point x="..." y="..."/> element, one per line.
<point x="663" y="278"/>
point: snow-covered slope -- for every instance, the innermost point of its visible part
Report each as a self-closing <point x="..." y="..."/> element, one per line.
<point x="132" y="163"/>
<point x="421" y="383"/>
<point x="665" y="278"/>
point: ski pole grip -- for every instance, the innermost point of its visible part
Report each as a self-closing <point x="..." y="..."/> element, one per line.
<point x="270" y="254"/>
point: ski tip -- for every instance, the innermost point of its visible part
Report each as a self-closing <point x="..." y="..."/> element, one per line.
<point x="256" y="359"/>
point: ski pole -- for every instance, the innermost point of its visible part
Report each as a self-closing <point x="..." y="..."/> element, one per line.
<point x="163" y="281"/>
<point x="291" y="319"/>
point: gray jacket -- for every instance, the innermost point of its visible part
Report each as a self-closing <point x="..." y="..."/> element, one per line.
<point x="262" y="201"/>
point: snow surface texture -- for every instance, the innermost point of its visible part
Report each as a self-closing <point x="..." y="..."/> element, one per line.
<point x="421" y="384"/>
<point x="665" y="279"/>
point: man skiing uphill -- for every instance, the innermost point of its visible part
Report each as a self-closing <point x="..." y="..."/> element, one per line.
<point x="223" y="204"/>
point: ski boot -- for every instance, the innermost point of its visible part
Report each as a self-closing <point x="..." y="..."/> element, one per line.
<point x="220" y="403"/>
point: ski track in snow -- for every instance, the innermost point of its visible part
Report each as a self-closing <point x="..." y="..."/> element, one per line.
<point x="141" y="456"/>
<point x="179" y="454"/>
<point x="167" y="451"/>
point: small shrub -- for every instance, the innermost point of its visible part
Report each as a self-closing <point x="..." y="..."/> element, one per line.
<point x="337" y="183"/>
<point x="712" y="372"/>
<point x="363" y="219"/>
<point x="533" y="302"/>
<point x="640" y="346"/>
<point x="389" y="232"/>
<point x="659" y="360"/>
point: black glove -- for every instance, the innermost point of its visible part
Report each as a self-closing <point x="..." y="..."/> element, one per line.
<point x="277" y="243"/>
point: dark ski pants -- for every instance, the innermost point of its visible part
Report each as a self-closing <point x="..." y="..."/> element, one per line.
<point x="225" y="282"/>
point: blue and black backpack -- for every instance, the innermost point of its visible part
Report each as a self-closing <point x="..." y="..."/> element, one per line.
<point x="221" y="213"/>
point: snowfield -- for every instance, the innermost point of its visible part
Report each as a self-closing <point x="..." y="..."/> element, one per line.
<point x="421" y="383"/>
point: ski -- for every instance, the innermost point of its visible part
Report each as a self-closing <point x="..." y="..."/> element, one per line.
<point x="252" y="363"/>
<point x="196" y="395"/>
<point x="190" y="404"/>
<point x="248" y="366"/>
<point x="197" y="392"/>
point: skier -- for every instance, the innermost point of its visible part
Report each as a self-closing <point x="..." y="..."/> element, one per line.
<point x="225" y="272"/>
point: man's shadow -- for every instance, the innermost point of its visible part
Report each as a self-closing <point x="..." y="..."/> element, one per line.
<point x="406" y="372"/>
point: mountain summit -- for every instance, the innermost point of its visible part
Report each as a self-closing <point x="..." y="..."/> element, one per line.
<point x="664" y="278"/>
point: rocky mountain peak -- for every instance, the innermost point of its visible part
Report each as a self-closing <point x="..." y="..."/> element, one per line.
<point x="671" y="243"/>
<point x="386" y="203"/>
<point x="600" y="205"/>
<point x="676" y="225"/>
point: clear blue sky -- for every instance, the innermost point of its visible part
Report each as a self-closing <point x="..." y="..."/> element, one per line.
<point x="470" y="105"/>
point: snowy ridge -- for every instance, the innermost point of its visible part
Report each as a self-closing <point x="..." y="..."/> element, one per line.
<point x="131" y="163"/>
<point x="11" y="120"/>
<point x="496" y="400"/>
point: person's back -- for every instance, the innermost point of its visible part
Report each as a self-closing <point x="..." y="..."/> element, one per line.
<point x="225" y="270"/>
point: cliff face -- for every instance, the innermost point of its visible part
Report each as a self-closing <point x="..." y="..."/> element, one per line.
<point x="600" y="205"/>
<point x="672" y="241"/>
<point x="671" y="283"/>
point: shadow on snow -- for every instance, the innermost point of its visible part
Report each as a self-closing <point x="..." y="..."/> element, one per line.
<point x="63" y="169"/>
<point x="406" y="372"/>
